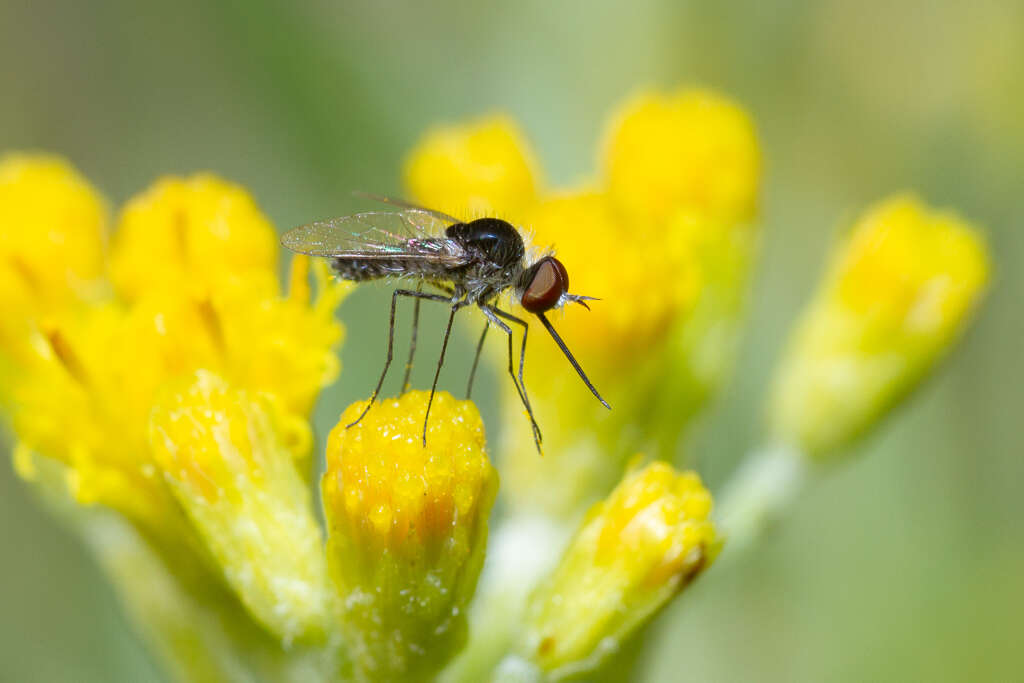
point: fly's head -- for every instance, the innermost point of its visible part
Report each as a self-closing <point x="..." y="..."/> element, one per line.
<point x="545" y="285"/>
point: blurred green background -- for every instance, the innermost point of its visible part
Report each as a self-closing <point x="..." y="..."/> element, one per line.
<point x="906" y="564"/>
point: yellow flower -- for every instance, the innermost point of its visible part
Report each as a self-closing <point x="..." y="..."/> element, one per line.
<point x="52" y="240"/>
<point x="227" y="459"/>
<point x="897" y="293"/>
<point x="635" y="550"/>
<point x="189" y="233"/>
<point x="692" y="149"/>
<point x="473" y="170"/>
<point x="407" y="528"/>
<point x="662" y="237"/>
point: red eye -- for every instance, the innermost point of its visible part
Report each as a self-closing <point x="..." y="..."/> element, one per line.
<point x="548" y="282"/>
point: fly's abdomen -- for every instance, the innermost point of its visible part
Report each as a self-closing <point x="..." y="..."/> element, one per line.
<point x="359" y="270"/>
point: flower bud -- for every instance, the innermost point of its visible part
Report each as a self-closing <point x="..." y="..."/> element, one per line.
<point x="634" y="551"/>
<point x="407" y="528"/>
<point x="897" y="293"/>
<point x="224" y="454"/>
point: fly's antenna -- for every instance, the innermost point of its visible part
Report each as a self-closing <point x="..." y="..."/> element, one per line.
<point x="404" y="205"/>
<point x="580" y="299"/>
<point x="568" y="354"/>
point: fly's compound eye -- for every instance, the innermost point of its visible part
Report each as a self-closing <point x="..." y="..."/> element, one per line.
<point x="547" y="281"/>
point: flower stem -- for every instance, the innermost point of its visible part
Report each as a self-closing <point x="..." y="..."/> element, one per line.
<point x="759" y="493"/>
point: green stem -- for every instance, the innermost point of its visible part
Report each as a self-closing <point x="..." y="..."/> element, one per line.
<point x="758" y="494"/>
<point x="523" y="549"/>
<point x="515" y="669"/>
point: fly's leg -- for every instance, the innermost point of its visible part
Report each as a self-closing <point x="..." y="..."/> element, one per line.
<point x="440" y="361"/>
<point x="492" y="314"/>
<point x="412" y="343"/>
<point x="476" y="359"/>
<point x="391" y="343"/>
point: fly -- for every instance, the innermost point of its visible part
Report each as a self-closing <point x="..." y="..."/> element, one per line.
<point x="472" y="263"/>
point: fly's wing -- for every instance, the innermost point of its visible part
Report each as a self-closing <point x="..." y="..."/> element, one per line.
<point x="411" y="234"/>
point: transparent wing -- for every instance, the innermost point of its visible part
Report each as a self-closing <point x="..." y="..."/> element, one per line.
<point x="412" y="233"/>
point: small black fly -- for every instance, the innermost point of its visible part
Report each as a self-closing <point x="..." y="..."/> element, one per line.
<point x="472" y="263"/>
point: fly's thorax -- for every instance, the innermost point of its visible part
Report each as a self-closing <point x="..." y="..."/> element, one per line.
<point x="492" y="241"/>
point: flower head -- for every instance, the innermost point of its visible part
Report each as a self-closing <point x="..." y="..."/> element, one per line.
<point x="407" y="527"/>
<point x="190" y="233"/>
<point x="897" y="293"/>
<point x="692" y="149"/>
<point x="476" y="169"/>
<point x="636" y="549"/>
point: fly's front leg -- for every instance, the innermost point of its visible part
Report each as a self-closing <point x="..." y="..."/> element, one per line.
<point x="492" y="315"/>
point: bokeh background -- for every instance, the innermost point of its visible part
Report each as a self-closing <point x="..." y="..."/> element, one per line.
<point x="906" y="564"/>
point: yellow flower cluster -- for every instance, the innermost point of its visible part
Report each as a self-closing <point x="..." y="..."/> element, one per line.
<point x="169" y="379"/>
<point x="897" y="293"/>
<point x="170" y="312"/>
<point x="662" y="236"/>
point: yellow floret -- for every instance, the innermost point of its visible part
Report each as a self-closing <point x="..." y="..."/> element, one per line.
<point x="692" y="150"/>
<point x="647" y="541"/>
<point x="225" y="455"/>
<point x="482" y="168"/>
<point x="897" y="293"/>
<point x="52" y="241"/>
<point x="95" y="428"/>
<point x="407" y="529"/>
<point x="190" y="233"/>
<point x="284" y="346"/>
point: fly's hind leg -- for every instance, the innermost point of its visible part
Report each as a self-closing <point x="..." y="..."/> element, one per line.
<point x="412" y="343"/>
<point x="440" y="361"/>
<point x="391" y="342"/>
<point x="476" y="360"/>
